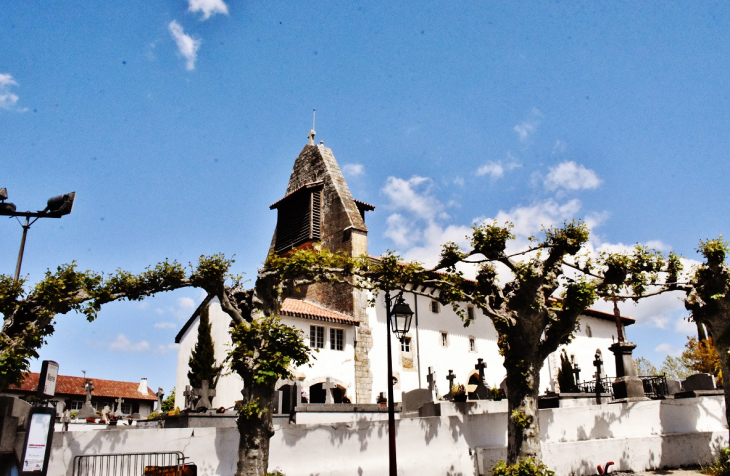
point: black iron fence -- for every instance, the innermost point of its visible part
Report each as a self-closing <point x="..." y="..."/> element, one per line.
<point x="132" y="464"/>
<point x="655" y="386"/>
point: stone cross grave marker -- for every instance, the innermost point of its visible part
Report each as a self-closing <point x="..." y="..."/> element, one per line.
<point x="118" y="412"/>
<point x="431" y="378"/>
<point x="105" y="413"/>
<point x="482" y="391"/>
<point x="160" y="393"/>
<point x="576" y="371"/>
<point x="87" y="410"/>
<point x="205" y="393"/>
<point x="328" y="398"/>
<point x="188" y="394"/>
<point x="451" y="377"/>
<point x="598" y="363"/>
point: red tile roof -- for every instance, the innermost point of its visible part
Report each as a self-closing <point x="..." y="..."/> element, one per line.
<point x="307" y="310"/>
<point x="66" y="385"/>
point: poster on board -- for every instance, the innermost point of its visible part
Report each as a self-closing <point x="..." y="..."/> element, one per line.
<point x="37" y="448"/>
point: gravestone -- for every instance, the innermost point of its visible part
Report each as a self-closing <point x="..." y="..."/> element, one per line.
<point x="451" y="377"/>
<point x="431" y="379"/>
<point x="412" y="401"/>
<point x="188" y="394"/>
<point x="205" y="393"/>
<point x="598" y="364"/>
<point x="105" y="413"/>
<point x="87" y="410"/>
<point x="328" y="398"/>
<point x="673" y="386"/>
<point x="699" y="382"/>
<point x="160" y="393"/>
<point x="482" y="390"/>
<point x="627" y="385"/>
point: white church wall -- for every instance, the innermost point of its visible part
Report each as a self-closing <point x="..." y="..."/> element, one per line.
<point x="338" y="365"/>
<point x="457" y="354"/>
<point x="636" y="436"/>
<point x="230" y="384"/>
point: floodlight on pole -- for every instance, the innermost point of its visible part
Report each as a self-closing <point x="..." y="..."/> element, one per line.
<point x="56" y="207"/>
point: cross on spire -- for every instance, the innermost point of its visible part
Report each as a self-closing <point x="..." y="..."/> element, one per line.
<point x="312" y="133"/>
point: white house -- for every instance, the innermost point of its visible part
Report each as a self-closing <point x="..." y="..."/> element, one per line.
<point x="350" y="335"/>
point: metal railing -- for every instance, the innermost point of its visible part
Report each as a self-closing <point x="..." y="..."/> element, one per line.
<point x="130" y="464"/>
<point x="655" y="386"/>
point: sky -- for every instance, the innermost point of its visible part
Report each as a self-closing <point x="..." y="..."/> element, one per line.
<point x="177" y="123"/>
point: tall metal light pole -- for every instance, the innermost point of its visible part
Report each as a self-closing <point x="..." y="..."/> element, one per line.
<point x="56" y="207"/>
<point x="399" y="321"/>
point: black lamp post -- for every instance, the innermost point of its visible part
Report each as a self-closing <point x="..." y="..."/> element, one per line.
<point x="56" y="207"/>
<point x="399" y="317"/>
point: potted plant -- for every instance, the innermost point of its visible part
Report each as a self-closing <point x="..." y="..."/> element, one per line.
<point x="458" y="391"/>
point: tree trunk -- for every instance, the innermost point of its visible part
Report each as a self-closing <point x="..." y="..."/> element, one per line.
<point x="255" y="433"/>
<point x="523" y="387"/>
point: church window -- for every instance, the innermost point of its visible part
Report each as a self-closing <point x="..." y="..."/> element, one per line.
<point x="444" y="339"/>
<point x="589" y="332"/>
<point x="470" y="312"/>
<point x="405" y="345"/>
<point x="299" y="217"/>
<point x="127" y="408"/>
<point x="435" y="307"/>
<point x="316" y="337"/>
<point x="76" y="405"/>
<point x="472" y="344"/>
<point x="337" y="339"/>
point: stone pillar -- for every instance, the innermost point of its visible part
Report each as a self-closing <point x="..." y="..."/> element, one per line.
<point x="627" y="384"/>
<point x="363" y="374"/>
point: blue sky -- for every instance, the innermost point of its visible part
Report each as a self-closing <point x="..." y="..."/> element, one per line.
<point x="177" y="124"/>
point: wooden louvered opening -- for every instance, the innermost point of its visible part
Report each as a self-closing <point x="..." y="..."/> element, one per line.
<point x="299" y="219"/>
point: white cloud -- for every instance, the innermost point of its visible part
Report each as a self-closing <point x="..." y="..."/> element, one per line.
<point x="559" y="148"/>
<point x="571" y="176"/>
<point x="165" y="325"/>
<point x="405" y="195"/>
<point x="529" y="220"/>
<point x="187" y="45"/>
<point x="493" y="169"/>
<point x="668" y="349"/>
<point x="183" y="310"/>
<point x="123" y="344"/>
<point x="353" y="170"/>
<point x="685" y="327"/>
<point x="526" y="128"/>
<point x="163" y="349"/>
<point x="8" y="100"/>
<point x="497" y="169"/>
<point x="208" y="7"/>
<point x="459" y="181"/>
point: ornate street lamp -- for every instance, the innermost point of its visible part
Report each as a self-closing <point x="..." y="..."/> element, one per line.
<point x="399" y="321"/>
<point x="56" y="207"/>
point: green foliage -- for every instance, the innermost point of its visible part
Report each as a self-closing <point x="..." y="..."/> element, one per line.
<point x="265" y="350"/>
<point x="168" y="404"/>
<point x="250" y="411"/>
<point x="566" y="378"/>
<point x="714" y="251"/>
<point x="720" y="466"/>
<point x="202" y="358"/>
<point x="521" y="419"/>
<point x="154" y="416"/>
<point x="29" y="314"/>
<point x="644" y="367"/>
<point x="676" y="368"/>
<point x="524" y="467"/>
<point x="490" y="240"/>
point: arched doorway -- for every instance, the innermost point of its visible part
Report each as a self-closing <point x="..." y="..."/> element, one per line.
<point x="318" y="394"/>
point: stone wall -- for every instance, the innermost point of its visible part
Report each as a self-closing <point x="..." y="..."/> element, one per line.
<point x="636" y="436"/>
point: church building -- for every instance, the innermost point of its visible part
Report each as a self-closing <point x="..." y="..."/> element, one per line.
<point x="317" y="207"/>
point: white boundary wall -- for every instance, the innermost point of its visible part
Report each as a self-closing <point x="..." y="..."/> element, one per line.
<point x="636" y="436"/>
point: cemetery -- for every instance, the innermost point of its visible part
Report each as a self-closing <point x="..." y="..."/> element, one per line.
<point x="443" y="397"/>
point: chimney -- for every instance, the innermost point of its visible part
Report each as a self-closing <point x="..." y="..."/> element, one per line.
<point x="143" y="386"/>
